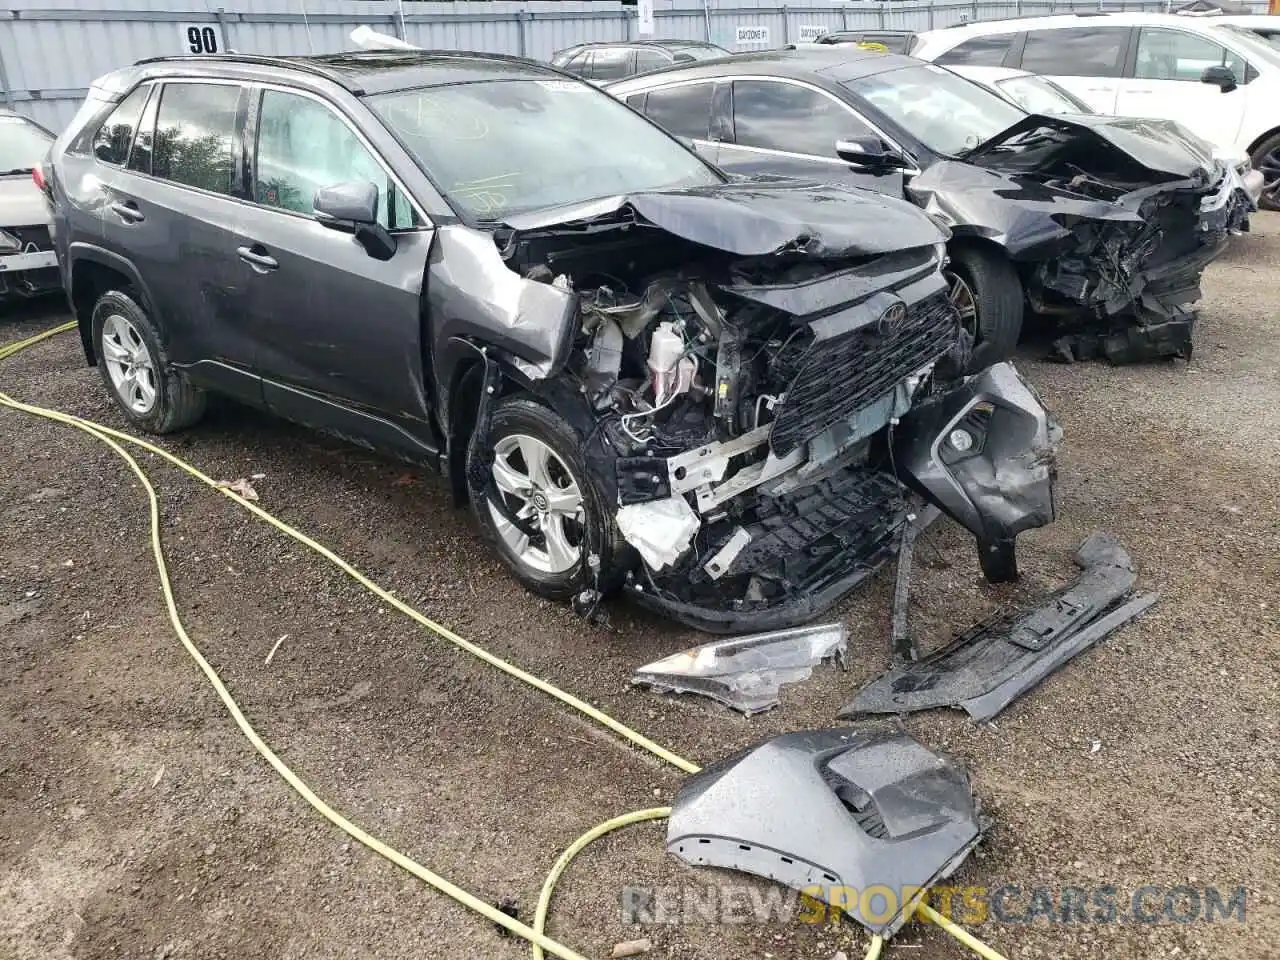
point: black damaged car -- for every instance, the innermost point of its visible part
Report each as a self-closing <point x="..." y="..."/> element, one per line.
<point x="1103" y="224"/>
<point x="637" y="372"/>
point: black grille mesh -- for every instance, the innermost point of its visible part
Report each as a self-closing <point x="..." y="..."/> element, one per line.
<point x="842" y="375"/>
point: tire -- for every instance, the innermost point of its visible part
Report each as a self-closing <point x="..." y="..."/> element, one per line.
<point x="157" y="398"/>
<point x="1267" y="159"/>
<point x="998" y="560"/>
<point x="991" y="283"/>
<point x="518" y="427"/>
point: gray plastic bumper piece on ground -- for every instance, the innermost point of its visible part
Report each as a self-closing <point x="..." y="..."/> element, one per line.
<point x="745" y="673"/>
<point x="988" y="666"/>
<point x="832" y="813"/>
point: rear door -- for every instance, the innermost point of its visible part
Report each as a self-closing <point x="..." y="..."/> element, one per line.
<point x="173" y="208"/>
<point x="1086" y="60"/>
<point x="1165" y="83"/>
<point x="338" y="332"/>
<point x="789" y="128"/>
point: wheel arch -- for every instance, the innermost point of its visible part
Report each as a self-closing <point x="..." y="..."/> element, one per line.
<point x="93" y="271"/>
<point x="1262" y="138"/>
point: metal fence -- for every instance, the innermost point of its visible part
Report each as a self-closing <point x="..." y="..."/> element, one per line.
<point x="51" y="50"/>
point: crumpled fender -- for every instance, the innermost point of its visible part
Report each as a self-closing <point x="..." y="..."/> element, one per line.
<point x="1004" y="483"/>
<point x="1017" y="212"/>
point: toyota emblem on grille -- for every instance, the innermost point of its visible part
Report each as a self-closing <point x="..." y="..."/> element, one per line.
<point x="892" y="320"/>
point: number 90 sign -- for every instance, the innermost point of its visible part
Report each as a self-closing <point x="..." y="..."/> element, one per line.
<point x="199" y="38"/>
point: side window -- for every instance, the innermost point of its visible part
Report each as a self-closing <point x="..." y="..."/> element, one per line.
<point x="611" y="63"/>
<point x="195" y="129"/>
<point x="144" y="140"/>
<point x="111" y="143"/>
<point x="304" y="146"/>
<point x="577" y="64"/>
<point x="683" y="111"/>
<point x="636" y="101"/>
<point x="1172" y="55"/>
<point x="1076" y="51"/>
<point x="783" y="116"/>
<point x="651" y="60"/>
<point x="986" y="51"/>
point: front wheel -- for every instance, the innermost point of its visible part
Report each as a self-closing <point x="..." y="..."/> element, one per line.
<point x="985" y="289"/>
<point x="1266" y="159"/>
<point x="538" y="506"/>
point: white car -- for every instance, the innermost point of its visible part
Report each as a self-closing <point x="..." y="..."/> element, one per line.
<point x="1219" y="81"/>
<point x="1264" y="25"/>
<point x="28" y="265"/>
<point x="1037" y="94"/>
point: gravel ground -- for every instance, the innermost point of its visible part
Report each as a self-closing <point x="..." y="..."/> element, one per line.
<point x="135" y="821"/>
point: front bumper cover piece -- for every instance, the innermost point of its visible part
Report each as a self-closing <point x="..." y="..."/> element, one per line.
<point x="833" y="814"/>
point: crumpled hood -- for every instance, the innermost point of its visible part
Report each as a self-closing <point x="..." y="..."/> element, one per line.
<point x="764" y="216"/>
<point x="1164" y="147"/>
<point x="21" y="202"/>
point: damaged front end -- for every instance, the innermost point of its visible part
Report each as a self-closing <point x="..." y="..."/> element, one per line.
<point x="758" y="369"/>
<point x="1111" y="221"/>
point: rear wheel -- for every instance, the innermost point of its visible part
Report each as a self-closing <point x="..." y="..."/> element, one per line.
<point x="153" y="395"/>
<point x="985" y="289"/>
<point x="1266" y="159"/>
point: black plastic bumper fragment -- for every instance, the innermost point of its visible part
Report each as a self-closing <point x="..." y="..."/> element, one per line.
<point x="990" y="665"/>
<point x="832" y="813"/>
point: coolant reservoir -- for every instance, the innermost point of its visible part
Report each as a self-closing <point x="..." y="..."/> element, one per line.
<point x="670" y="371"/>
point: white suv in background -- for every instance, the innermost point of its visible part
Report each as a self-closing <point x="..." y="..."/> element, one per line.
<point x="1220" y="81"/>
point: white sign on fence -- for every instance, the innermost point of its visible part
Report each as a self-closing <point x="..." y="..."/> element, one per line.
<point x="644" y="11"/>
<point x="749" y="33"/>
<point x="811" y="32"/>
<point x="200" y="38"/>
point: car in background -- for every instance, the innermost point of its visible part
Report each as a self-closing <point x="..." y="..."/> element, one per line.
<point x="1220" y="81"/>
<point x="28" y="265"/>
<point x="640" y="374"/>
<point x="1037" y="94"/>
<point x="604" y="62"/>
<point x="1104" y="221"/>
<point x="892" y="41"/>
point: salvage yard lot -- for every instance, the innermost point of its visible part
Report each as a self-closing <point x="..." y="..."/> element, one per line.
<point x="135" y="821"/>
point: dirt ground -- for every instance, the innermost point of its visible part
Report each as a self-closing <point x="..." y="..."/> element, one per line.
<point x="135" y="821"/>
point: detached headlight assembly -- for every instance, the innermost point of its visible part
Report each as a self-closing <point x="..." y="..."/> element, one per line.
<point x="9" y="243"/>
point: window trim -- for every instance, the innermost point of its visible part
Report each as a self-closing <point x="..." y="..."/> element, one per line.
<point x="1132" y="72"/>
<point x="251" y="155"/>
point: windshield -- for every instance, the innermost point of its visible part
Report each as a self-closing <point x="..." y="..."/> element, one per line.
<point x="500" y="147"/>
<point x="22" y="145"/>
<point x="945" y="112"/>
<point x="1265" y="48"/>
<point x="1038" y="95"/>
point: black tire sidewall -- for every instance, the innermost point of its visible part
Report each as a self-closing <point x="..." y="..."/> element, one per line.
<point x="1268" y="145"/>
<point x="998" y="297"/>
<point x="169" y="406"/>
<point x="520" y="415"/>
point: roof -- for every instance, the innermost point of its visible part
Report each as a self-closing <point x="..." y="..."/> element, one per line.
<point x="835" y="62"/>
<point x="1061" y="20"/>
<point x="365" y="71"/>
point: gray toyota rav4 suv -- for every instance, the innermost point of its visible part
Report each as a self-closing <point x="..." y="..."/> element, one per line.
<point x="718" y="395"/>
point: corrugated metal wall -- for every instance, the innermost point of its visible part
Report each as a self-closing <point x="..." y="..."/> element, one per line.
<point x="50" y="50"/>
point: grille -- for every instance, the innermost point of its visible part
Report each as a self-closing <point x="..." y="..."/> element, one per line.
<point x="842" y="375"/>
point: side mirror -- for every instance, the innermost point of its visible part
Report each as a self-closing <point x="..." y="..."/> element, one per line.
<point x="869" y="152"/>
<point x="1221" y="77"/>
<point x="353" y="208"/>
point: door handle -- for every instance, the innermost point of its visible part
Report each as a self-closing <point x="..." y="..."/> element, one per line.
<point x="127" y="211"/>
<point x="257" y="257"/>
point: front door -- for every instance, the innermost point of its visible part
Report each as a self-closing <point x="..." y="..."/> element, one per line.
<point x="1166" y="84"/>
<point x="790" y="129"/>
<point x="338" y="332"/>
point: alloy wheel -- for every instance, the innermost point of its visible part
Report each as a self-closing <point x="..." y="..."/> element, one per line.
<point x="961" y="296"/>
<point x="1270" y="169"/>
<point x="537" y="489"/>
<point x="129" y="364"/>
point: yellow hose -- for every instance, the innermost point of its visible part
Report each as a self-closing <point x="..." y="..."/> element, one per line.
<point x="536" y="934"/>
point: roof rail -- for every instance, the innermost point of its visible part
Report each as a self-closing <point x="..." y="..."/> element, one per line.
<point x="294" y="63"/>
<point x="1021" y="16"/>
